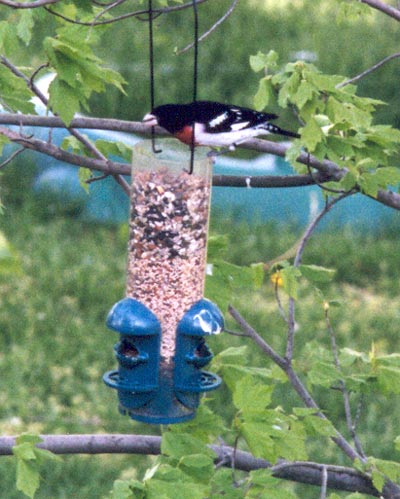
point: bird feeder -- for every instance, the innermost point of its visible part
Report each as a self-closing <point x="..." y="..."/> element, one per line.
<point x="164" y="320"/>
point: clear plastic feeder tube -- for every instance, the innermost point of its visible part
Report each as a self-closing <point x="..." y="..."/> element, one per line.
<point x="168" y="234"/>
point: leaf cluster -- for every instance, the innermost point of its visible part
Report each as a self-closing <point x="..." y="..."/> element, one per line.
<point x="335" y="123"/>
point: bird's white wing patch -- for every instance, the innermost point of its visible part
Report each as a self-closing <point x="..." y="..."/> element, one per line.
<point x="218" y="120"/>
<point x="239" y="126"/>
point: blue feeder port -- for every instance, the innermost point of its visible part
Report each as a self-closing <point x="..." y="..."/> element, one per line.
<point x="137" y="353"/>
<point x="192" y="353"/>
<point x="148" y="389"/>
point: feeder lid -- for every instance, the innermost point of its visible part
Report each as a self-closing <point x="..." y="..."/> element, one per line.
<point x="129" y="316"/>
<point x="203" y="318"/>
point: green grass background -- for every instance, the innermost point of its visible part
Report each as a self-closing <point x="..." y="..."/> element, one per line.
<point x="54" y="345"/>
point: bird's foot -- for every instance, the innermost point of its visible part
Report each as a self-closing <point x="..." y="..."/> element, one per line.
<point x="219" y="152"/>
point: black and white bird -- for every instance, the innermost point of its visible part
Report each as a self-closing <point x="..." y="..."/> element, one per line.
<point x="215" y="124"/>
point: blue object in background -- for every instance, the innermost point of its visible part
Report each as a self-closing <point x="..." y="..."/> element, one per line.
<point x="107" y="203"/>
<point x="295" y="205"/>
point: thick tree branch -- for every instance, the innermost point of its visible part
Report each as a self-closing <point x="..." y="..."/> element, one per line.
<point x="33" y="144"/>
<point x="27" y="5"/>
<point x="383" y="7"/>
<point x="338" y="477"/>
<point x="328" y="170"/>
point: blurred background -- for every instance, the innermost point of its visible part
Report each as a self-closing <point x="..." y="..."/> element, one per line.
<point x="62" y="265"/>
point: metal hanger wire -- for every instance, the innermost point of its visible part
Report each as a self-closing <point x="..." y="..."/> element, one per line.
<point x="195" y="76"/>
<point x="151" y="57"/>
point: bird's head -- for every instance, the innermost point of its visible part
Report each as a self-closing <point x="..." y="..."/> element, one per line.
<point x="172" y="117"/>
<point x="150" y="119"/>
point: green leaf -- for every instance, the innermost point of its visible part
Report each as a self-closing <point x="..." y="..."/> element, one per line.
<point x="117" y="149"/>
<point x="25" y="451"/>
<point x="8" y="37"/>
<point x="290" y="277"/>
<point x="217" y="246"/>
<point x="224" y="278"/>
<point x="233" y="373"/>
<point x="289" y="89"/>
<point x="311" y="135"/>
<point x="264" y="95"/>
<point x="315" y="273"/>
<point x="198" y="466"/>
<point x="63" y="100"/>
<point x="206" y="426"/>
<point x="264" y="486"/>
<point x="25" y="25"/>
<point x="14" y="92"/>
<point x="378" y="479"/>
<point x="84" y="174"/>
<point x="176" y="445"/>
<point x="249" y="395"/>
<point x="258" y="439"/>
<point x="320" y="426"/>
<point x="28" y="478"/>
<point x="128" y="489"/>
<point x="323" y="374"/>
<point x="262" y="61"/>
<point x="389" y="379"/>
<point x="372" y="182"/>
<point x="160" y="489"/>
<point x="391" y="469"/>
<point x="10" y="261"/>
<point x="232" y="355"/>
<point x="305" y="92"/>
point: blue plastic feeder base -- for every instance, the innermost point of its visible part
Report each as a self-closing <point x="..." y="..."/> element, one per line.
<point x="162" y="408"/>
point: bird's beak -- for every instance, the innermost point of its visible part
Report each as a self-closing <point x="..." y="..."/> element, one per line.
<point x="150" y="120"/>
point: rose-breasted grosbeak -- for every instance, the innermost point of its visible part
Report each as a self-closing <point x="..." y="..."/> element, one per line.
<point x="215" y="124"/>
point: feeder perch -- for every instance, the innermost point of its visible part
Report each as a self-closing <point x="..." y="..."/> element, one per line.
<point x="164" y="320"/>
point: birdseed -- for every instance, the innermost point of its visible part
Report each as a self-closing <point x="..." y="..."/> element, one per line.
<point x="167" y="245"/>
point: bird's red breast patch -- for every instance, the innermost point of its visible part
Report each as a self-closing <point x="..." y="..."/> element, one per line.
<point x="185" y="135"/>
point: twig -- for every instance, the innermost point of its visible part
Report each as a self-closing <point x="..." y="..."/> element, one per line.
<point x="311" y="227"/>
<point x="137" y="14"/>
<point x="297" y="261"/>
<point x="369" y="70"/>
<point x="213" y="28"/>
<point x="346" y="396"/>
<point x="12" y="156"/>
<point x="279" y="303"/>
<point x="249" y="331"/>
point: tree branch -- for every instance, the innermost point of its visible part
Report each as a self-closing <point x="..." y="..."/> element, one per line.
<point x="338" y="477"/>
<point x="328" y="170"/>
<point x="91" y="148"/>
<point x="27" y="5"/>
<point x="33" y="144"/>
<point x="213" y="27"/>
<point x="137" y="13"/>
<point x="295" y="381"/>
<point x="369" y="70"/>
<point x="383" y="7"/>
